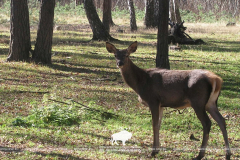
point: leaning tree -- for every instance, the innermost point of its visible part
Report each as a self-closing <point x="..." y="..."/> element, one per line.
<point x="98" y="29"/>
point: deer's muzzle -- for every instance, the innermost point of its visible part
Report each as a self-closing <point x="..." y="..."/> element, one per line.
<point x="120" y="64"/>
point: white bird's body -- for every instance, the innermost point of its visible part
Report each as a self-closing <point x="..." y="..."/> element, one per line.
<point x="122" y="136"/>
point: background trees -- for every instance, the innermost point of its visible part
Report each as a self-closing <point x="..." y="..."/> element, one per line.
<point x="192" y="10"/>
<point x="174" y="12"/>
<point x="20" y="45"/>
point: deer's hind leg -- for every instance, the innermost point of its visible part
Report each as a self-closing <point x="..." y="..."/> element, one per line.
<point x="214" y="112"/>
<point x="206" y="123"/>
<point x="198" y="103"/>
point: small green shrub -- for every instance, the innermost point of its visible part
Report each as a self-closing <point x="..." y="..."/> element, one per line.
<point x="54" y="114"/>
<point x="62" y="113"/>
<point x="19" y="121"/>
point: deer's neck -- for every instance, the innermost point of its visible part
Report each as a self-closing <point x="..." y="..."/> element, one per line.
<point x="134" y="76"/>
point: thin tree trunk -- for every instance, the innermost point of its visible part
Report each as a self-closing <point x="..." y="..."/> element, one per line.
<point x="20" y="44"/>
<point x="156" y="13"/>
<point x="107" y="14"/>
<point x="133" y="24"/>
<point x="149" y="13"/>
<point x="162" y="60"/>
<point x="171" y="11"/>
<point x="43" y="46"/>
<point x="176" y="11"/>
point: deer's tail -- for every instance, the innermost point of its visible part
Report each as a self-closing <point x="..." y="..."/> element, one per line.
<point x="216" y="83"/>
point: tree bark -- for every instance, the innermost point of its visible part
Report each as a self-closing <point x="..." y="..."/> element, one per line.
<point x="176" y="11"/>
<point x="171" y="11"/>
<point x="43" y="46"/>
<point x="98" y="3"/>
<point x="133" y="24"/>
<point x="107" y="14"/>
<point x="156" y="13"/>
<point x="149" y="14"/>
<point x="20" y="44"/>
<point x="162" y="60"/>
<point x="98" y="29"/>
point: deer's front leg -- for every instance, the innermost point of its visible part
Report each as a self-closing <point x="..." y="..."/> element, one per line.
<point x="157" y="112"/>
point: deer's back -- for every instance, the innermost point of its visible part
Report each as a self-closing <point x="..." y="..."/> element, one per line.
<point x="174" y="88"/>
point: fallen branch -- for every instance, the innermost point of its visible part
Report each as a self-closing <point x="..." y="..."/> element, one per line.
<point x="92" y="108"/>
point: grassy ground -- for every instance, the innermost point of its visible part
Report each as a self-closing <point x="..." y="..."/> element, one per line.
<point x="41" y="107"/>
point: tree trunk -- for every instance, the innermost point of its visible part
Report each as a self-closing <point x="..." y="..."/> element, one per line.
<point x="176" y="11"/>
<point x="171" y="11"/>
<point x="133" y="24"/>
<point x="43" y="46"/>
<point x="98" y="29"/>
<point x="149" y="13"/>
<point x="162" y="60"/>
<point x="20" y="44"/>
<point x="107" y="14"/>
<point x="156" y="13"/>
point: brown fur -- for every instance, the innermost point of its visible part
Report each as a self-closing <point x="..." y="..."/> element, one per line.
<point x="159" y="88"/>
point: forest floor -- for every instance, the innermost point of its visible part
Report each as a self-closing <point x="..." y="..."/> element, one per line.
<point x="70" y="109"/>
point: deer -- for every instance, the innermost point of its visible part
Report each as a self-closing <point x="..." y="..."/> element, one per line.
<point x="178" y="89"/>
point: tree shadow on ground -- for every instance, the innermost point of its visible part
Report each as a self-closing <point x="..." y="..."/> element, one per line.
<point x="56" y="66"/>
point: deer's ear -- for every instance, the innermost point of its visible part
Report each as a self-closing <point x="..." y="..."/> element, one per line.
<point x="111" y="48"/>
<point x="133" y="47"/>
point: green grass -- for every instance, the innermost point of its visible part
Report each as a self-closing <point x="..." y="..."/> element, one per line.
<point x="34" y="126"/>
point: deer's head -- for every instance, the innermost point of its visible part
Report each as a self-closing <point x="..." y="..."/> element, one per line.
<point x="121" y="55"/>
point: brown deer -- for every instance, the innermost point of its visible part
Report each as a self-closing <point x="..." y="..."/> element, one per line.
<point x="158" y="88"/>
